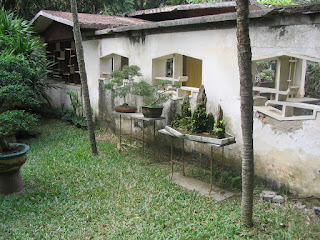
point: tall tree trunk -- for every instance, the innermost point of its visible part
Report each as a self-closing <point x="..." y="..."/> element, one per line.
<point x="244" y="62"/>
<point x="83" y="75"/>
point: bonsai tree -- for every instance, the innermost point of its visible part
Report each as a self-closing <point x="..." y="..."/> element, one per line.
<point x="18" y="98"/>
<point x="122" y="82"/>
<point x="153" y="95"/>
<point x="11" y="123"/>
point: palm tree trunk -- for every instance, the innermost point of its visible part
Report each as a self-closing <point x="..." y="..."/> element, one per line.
<point x="83" y="75"/>
<point x="244" y="62"/>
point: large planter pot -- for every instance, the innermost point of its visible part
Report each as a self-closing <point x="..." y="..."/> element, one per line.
<point x="152" y="112"/>
<point x="125" y="109"/>
<point x="10" y="164"/>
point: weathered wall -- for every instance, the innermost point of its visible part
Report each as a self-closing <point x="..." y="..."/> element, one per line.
<point x="58" y="95"/>
<point x="285" y="152"/>
<point x="289" y="157"/>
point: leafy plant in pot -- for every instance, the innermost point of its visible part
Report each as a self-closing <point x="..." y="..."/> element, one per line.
<point x="153" y="97"/>
<point x="23" y="87"/>
<point x="16" y="99"/>
<point x="121" y="84"/>
<point x="13" y="155"/>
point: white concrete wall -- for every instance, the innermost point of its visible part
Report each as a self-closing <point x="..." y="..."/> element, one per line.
<point x="58" y="95"/>
<point x="288" y="156"/>
<point x="92" y="63"/>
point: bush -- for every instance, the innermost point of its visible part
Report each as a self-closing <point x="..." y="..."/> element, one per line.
<point x="23" y="73"/>
<point x="15" y="121"/>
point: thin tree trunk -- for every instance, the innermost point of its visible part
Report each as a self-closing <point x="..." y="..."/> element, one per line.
<point x="83" y="75"/>
<point x="244" y="62"/>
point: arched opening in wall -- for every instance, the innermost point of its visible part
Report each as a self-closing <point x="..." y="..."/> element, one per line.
<point x="178" y="69"/>
<point x="111" y="63"/>
<point x="286" y="87"/>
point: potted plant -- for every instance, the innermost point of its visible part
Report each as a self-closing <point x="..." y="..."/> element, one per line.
<point x="153" y="97"/>
<point x="13" y="155"/>
<point x="17" y="98"/>
<point x="121" y="84"/>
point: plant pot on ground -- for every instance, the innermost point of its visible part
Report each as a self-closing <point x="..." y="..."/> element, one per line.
<point x="13" y="155"/>
<point x="153" y="97"/>
<point x="121" y="84"/>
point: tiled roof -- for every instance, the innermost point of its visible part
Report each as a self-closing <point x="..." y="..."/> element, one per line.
<point x="87" y="21"/>
<point x="190" y="10"/>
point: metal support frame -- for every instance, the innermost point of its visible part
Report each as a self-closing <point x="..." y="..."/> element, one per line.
<point x="184" y="164"/>
<point x="138" y="117"/>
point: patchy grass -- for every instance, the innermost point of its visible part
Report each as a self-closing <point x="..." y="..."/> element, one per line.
<point x="74" y="195"/>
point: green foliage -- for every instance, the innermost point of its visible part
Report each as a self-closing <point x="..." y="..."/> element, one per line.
<point x="153" y="95"/>
<point x="70" y="116"/>
<point x="219" y="129"/>
<point x="200" y="120"/>
<point x="23" y="75"/>
<point x="75" y="101"/>
<point x="18" y="97"/>
<point x="277" y="2"/>
<point x="73" y="115"/>
<point x="267" y="75"/>
<point x="312" y="85"/>
<point x="122" y="81"/>
<point x="16" y="38"/>
<point x="12" y="122"/>
<point x="118" y="7"/>
<point x="204" y="1"/>
<point x="265" y="72"/>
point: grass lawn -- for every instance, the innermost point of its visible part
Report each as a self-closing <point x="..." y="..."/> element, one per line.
<point x="71" y="194"/>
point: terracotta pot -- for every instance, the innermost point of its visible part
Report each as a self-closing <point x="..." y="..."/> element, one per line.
<point x="125" y="110"/>
<point x="152" y="112"/>
<point x="10" y="164"/>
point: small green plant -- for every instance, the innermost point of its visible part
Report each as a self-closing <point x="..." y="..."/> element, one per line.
<point x="219" y="129"/>
<point x="271" y="3"/>
<point x="13" y="122"/>
<point x="265" y="72"/>
<point x="183" y="118"/>
<point x="75" y="102"/>
<point x="153" y="95"/>
<point x="122" y="82"/>
<point x="200" y="120"/>
<point x="73" y="115"/>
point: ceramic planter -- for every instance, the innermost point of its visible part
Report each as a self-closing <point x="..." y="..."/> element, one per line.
<point x="125" y="109"/>
<point x="10" y="177"/>
<point x="152" y="112"/>
<point x="217" y="141"/>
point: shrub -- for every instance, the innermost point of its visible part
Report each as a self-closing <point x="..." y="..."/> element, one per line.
<point x="23" y="73"/>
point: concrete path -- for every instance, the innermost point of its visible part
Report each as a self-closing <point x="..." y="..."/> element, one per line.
<point x="203" y="188"/>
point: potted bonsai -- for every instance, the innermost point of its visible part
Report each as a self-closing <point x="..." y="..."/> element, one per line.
<point x="13" y="155"/>
<point x="121" y="84"/>
<point x="16" y="100"/>
<point x="153" y="97"/>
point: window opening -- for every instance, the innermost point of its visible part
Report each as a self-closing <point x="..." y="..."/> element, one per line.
<point x="265" y="74"/>
<point x="312" y="83"/>
<point x="169" y="67"/>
